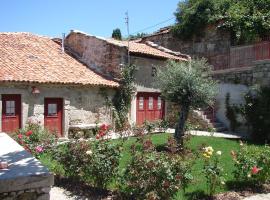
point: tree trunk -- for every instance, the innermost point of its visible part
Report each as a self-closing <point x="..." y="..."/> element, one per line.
<point x="179" y="131"/>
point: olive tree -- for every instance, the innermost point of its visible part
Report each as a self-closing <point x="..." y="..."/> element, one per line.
<point x="189" y="85"/>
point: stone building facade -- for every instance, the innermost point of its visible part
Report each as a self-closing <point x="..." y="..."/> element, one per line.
<point x="109" y="56"/>
<point x="234" y="67"/>
<point x="212" y="44"/>
<point x="42" y="83"/>
<point x="81" y="105"/>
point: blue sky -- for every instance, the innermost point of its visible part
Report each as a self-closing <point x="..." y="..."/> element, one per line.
<point x="97" y="17"/>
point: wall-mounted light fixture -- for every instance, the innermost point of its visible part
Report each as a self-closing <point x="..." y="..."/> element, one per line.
<point x="35" y="90"/>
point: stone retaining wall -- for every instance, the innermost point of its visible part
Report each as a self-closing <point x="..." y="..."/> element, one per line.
<point x="25" y="178"/>
<point x="29" y="194"/>
<point x="257" y="74"/>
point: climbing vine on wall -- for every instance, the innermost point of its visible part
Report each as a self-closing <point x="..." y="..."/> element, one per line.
<point x="121" y="102"/>
<point x="122" y="99"/>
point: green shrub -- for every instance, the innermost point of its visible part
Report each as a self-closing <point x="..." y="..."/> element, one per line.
<point x="72" y="156"/>
<point x="52" y="164"/>
<point x="212" y="169"/>
<point x="256" y="112"/>
<point x="95" y="162"/>
<point x="252" y="164"/>
<point x="155" y="175"/>
<point x="35" y="139"/>
<point x="102" y="163"/>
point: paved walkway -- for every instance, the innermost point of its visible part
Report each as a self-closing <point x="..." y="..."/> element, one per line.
<point x="214" y="134"/>
<point x="259" y="197"/>
<point x="58" y="193"/>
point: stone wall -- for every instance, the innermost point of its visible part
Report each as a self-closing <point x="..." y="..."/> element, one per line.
<point x="97" y="53"/>
<point x="81" y="104"/>
<point x="146" y="72"/>
<point x="257" y="74"/>
<point x="213" y="44"/>
<point x="25" y="178"/>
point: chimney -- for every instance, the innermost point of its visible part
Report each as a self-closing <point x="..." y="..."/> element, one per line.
<point x="63" y="42"/>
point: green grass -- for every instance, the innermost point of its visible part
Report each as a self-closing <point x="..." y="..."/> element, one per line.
<point x="198" y="185"/>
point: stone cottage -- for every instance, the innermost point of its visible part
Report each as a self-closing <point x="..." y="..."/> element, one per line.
<point x="39" y="81"/>
<point x="107" y="56"/>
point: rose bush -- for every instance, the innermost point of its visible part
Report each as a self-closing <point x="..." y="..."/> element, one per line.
<point x="35" y="139"/>
<point x="252" y="164"/>
<point x="212" y="169"/>
<point x="95" y="162"/>
<point x="155" y="175"/>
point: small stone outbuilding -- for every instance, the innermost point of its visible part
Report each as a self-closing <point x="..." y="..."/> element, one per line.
<point x="41" y="82"/>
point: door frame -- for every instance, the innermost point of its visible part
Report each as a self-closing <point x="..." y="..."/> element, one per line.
<point x="146" y="96"/>
<point x="58" y="100"/>
<point x="18" y="97"/>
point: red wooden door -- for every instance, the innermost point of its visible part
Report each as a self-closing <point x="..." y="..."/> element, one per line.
<point x="11" y="112"/>
<point x="53" y="115"/>
<point x="150" y="107"/>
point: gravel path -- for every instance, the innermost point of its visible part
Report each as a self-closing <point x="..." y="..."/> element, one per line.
<point x="259" y="197"/>
<point x="58" y="193"/>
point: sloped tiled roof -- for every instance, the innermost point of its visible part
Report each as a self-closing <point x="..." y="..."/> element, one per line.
<point x="144" y="49"/>
<point x="25" y="57"/>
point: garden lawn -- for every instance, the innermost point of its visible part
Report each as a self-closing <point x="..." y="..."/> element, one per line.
<point x="218" y="144"/>
<point x="199" y="184"/>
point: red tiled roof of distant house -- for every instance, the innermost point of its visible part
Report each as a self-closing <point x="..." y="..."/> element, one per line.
<point x="25" y="57"/>
<point x="144" y="49"/>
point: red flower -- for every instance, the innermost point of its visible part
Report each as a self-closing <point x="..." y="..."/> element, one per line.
<point x="97" y="137"/>
<point x="103" y="127"/>
<point x="255" y="170"/>
<point x="20" y="136"/>
<point x="28" y="133"/>
<point x="166" y="184"/>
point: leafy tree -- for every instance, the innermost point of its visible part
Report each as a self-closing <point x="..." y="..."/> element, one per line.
<point x="116" y="34"/>
<point x="189" y="85"/>
<point x="247" y="20"/>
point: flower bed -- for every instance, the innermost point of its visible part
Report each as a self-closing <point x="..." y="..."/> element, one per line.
<point x="151" y="166"/>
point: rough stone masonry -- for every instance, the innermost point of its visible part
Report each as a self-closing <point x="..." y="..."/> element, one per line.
<point x="25" y="178"/>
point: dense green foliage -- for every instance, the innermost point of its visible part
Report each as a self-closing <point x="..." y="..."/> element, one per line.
<point x="35" y="139"/>
<point x="198" y="186"/>
<point x="189" y="85"/>
<point x="155" y="175"/>
<point x="231" y="113"/>
<point x="252" y="164"/>
<point x="95" y="162"/>
<point x="256" y="112"/>
<point x="116" y="34"/>
<point x="246" y="20"/>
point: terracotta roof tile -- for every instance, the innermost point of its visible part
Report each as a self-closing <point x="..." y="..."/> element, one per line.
<point x="25" y="57"/>
<point x="141" y="48"/>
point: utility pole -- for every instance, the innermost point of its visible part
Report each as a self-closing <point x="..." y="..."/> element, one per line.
<point x="127" y="23"/>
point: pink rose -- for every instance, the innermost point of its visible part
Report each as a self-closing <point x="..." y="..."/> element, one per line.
<point x="39" y="149"/>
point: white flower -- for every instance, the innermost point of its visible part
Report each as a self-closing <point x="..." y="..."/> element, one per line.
<point x="218" y="153"/>
<point x="208" y="149"/>
<point x="89" y="152"/>
<point x="222" y="183"/>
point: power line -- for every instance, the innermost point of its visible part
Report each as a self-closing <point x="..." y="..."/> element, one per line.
<point x="153" y="25"/>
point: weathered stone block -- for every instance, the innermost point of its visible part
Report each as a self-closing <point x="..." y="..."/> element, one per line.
<point x="43" y="197"/>
<point x="27" y="196"/>
<point x="24" y="171"/>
